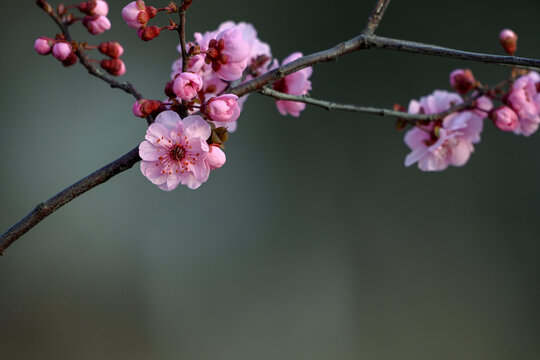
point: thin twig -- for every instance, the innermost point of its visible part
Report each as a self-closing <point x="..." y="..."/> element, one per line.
<point x="329" y="105"/>
<point x="185" y="58"/>
<point x="376" y="16"/>
<point x="46" y="208"/>
<point x="376" y="42"/>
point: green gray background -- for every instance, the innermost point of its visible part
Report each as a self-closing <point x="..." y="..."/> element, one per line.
<point x="312" y="242"/>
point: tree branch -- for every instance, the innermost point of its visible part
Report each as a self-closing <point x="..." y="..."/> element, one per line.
<point x="44" y="209"/>
<point x="329" y="105"/>
<point x="376" y="16"/>
<point x="363" y="42"/>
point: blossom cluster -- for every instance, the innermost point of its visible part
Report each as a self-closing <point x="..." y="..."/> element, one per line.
<point x="450" y="140"/>
<point x="215" y="61"/>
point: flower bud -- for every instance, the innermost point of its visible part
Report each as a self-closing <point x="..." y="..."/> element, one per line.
<point x="216" y="157"/>
<point x="112" y="49"/>
<point x="508" y="40"/>
<point x="115" y="67"/>
<point x="148" y="33"/>
<point x="504" y="118"/>
<point x="135" y="15"/>
<point x="96" y="24"/>
<point x="144" y="107"/>
<point x="462" y="80"/>
<point x="186" y="85"/>
<point x="45" y="6"/>
<point x="70" y="60"/>
<point x="43" y="45"/>
<point x="169" y="90"/>
<point x="222" y="108"/>
<point x="94" y="7"/>
<point x="61" y="50"/>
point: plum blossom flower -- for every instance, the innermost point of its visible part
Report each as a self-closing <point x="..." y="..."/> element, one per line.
<point x="175" y="151"/>
<point x="296" y="83"/>
<point x="524" y="99"/>
<point x="186" y="85"/>
<point x="448" y="142"/>
<point x="222" y="109"/>
<point x="135" y="14"/>
<point x="227" y="53"/>
<point x="96" y="24"/>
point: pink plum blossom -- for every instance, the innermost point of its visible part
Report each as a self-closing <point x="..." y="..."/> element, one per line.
<point x="296" y="83"/>
<point x="61" y="50"/>
<point x="43" y="45"/>
<point x="524" y="99"/>
<point x="448" y="142"/>
<point x="505" y="118"/>
<point x="216" y="157"/>
<point x="228" y="54"/>
<point x="222" y="109"/>
<point x="96" y="24"/>
<point x="175" y="151"/>
<point x="135" y="15"/>
<point x="186" y="85"/>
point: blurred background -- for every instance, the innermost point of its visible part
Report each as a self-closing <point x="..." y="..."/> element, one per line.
<point x="312" y="242"/>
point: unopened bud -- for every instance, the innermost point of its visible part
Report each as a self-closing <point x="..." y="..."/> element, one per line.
<point x="508" y="40"/>
<point x="45" y="6"/>
<point x="115" y="67"/>
<point x="70" y="60"/>
<point x="151" y="11"/>
<point x="43" y="45"/>
<point x="112" y="49"/>
<point x="504" y="118"/>
<point x="61" y="50"/>
<point x="94" y="7"/>
<point x="169" y="90"/>
<point x="148" y="33"/>
<point x="144" y="107"/>
<point x="462" y="80"/>
<point x="96" y="24"/>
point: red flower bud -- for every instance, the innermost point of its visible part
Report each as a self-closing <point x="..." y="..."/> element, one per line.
<point x="462" y="80"/>
<point x="508" y="40"/>
<point x="144" y="107"/>
<point x="115" y="67"/>
<point x="148" y="33"/>
<point x="70" y="60"/>
<point x="169" y="90"/>
<point x="111" y="48"/>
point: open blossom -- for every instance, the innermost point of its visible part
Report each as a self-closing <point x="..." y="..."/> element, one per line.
<point x="222" y="108"/>
<point x="227" y="54"/>
<point x="448" y="142"/>
<point x="96" y="24"/>
<point x="175" y="151"/>
<point x="296" y="83"/>
<point x="524" y="99"/>
<point x="186" y="85"/>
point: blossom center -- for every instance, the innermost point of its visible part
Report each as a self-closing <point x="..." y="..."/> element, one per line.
<point x="177" y="153"/>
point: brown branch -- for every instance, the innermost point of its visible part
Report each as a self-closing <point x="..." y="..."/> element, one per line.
<point x="185" y="58"/>
<point x="376" y="16"/>
<point x="46" y="208"/>
<point x="329" y="105"/>
<point x="376" y="42"/>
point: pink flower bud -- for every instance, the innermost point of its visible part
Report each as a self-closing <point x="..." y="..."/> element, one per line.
<point x="115" y="67"/>
<point x="94" y="7"/>
<point x="111" y="48"/>
<point x="144" y="107"/>
<point x="148" y="33"/>
<point x="135" y="15"/>
<point x="216" y="157"/>
<point x="70" y="60"/>
<point x="61" y="50"/>
<point x="96" y="24"/>
<point x="186" y="85"/>
<point x="43" y="45"/>
<point x="222" y="108"/>
<point x="462" y="80"/>
<point x="504" y="118"/>
<point x="508" y="40"/>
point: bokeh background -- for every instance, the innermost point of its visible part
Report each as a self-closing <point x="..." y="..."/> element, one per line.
<point x="313" y="242"/>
